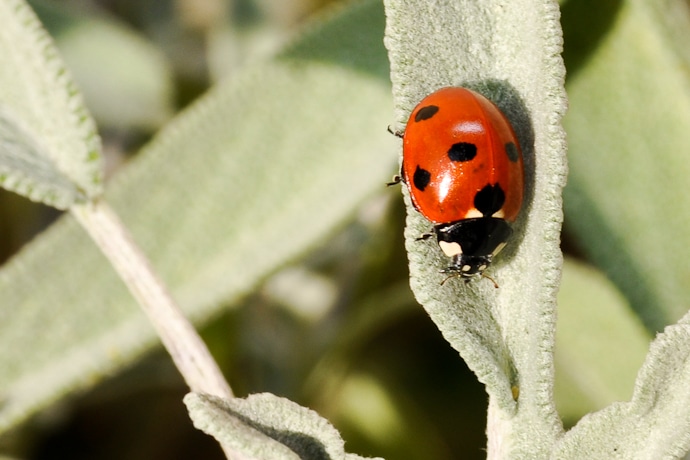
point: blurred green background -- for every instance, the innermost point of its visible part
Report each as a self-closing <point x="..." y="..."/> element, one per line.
<point x="339" y="330"/>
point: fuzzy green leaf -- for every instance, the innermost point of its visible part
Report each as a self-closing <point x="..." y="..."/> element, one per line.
<point x="656" y="422"/>
<point x="510" y="51"/>
<point x="267" y="426"/>
<point x="126" y="82"/>
<point x="254" y="174"/>
<point x="628" y="136"/>
<point x="628" y="131"/>
<point x="49" y="149"/>
<point x="593" y="316"/>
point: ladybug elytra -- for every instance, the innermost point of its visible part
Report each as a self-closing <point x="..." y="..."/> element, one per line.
<point x="463" y="166"/>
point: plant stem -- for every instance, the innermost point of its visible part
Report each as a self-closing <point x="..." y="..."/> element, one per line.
<point x="188" y="351"/>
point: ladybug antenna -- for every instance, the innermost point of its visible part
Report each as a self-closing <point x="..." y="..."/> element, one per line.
<point x="484" y="275"/>
<point x="452" y="275"/>
<point x="467" y="280"/>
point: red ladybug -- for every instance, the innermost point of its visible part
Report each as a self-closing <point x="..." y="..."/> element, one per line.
<point x="463" y="166"/>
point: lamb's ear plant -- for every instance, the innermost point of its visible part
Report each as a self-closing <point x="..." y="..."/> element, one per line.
<point x="202" y="200"/>
<point x="50" y="152"/>
<point x="627" y="129"/>
<point x="50" y="149"/>
<point x="511" y="53"/>
<point x="627" y="125"/>
<point x="229" y="191"/>
<point x="593" y="315"/>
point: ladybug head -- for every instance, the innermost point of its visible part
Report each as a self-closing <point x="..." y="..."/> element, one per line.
<point x="468" y="268"/>
<point x="471" y="245"/>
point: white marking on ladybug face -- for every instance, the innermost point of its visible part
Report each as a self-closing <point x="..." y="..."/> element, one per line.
<point x="481" y="268"/>
<point x="466" y="268"/>
<point x="473" y="213"/>
<point x="450" y="249"/>
<point x="499" y="248"/>
<point x="499" y="214"/>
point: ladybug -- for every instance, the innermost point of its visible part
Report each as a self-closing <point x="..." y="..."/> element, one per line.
<point x="463" y="166"/>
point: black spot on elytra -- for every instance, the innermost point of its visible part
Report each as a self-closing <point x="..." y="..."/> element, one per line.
<point x="462" y="151"/>
<point x="425" y="113"/>
<point x="489" y="199"/>
<point x="512" y="152"/>
<point x="421" y="178"/>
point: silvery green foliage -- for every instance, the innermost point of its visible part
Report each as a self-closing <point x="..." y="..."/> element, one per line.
<point x="267" y="426"/>
<point x="511" y="53"/>
<point x="49" y="148"/>
<point x="201" y="169"/>
<point x="248" y="178"/>
<point x="627" y="134"/>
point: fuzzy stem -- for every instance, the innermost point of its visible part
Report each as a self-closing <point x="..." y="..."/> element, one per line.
<point x="187" y="349"/>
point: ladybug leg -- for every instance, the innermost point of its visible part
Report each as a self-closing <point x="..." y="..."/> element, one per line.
<point x="452" y="275"/>
<point x="395" y="133"/>
<point x="396" y="180"/>
<point x="424" y="236"/>
<point x="467" y="280"/>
